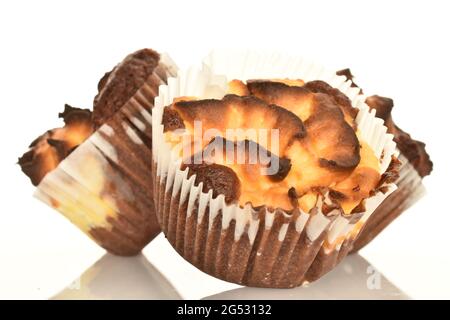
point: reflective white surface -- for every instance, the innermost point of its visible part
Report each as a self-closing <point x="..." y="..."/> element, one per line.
<point x="114" y="277"/>
<point x="354" y="278"/>
<point x="160" y="273"/>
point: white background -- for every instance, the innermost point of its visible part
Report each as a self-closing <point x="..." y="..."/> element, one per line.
<point x="53" y="52"/>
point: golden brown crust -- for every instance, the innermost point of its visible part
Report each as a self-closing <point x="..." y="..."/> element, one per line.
<point x="322" y="151"/>
<point x="293" y="98"/>
<point x="341" y="99"/>
<point x="224" y="180"/>
<point x="250" y="111"/>
<point x="278" y="93"/>
<point x="333" y="140"/>
<point x="49" y="149"/>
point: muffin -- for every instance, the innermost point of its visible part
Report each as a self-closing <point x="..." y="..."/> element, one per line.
<point x="415" y="165"/>
<point x="279" y="208"/>
<point x="96" y="170"/>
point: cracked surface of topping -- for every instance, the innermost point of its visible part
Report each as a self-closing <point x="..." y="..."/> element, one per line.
<point x="238" y="112"/>
<point x="331" y="138"/>
<point x="318" y="144"/>
<point x="114" y="89"/>
<point x="49" y="149"/>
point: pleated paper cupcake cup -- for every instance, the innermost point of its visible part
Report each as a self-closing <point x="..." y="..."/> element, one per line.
<point x="409" y="190"/>
<point x="233" y="63"/>
<point x="244" y="245"/>
<point x="105" y="185"/>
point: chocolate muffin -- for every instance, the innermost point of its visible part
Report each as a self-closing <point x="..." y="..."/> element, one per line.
<point x="96" y="170"/>
<point x="415" y="165"/>
<point x="275" y="209"/>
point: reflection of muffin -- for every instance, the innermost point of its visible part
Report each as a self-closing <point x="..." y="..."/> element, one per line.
<point x="115" y="278"/>
<point x="277" y="222"/>
<point x="96" y="169"/>
<point x="353" y="279"/>
<point x="416" y="164"/>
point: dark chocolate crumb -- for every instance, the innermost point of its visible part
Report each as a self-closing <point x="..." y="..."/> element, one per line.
<point x="171" y="120"/>
<point x="284" y="166"/>
<point x="348" y="74"/>
<point x="218" y="178"/>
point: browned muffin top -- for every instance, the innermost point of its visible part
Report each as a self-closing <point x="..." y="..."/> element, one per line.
<point x="114" y="89"/>
<point x="318" y="149"/>
<point x="121" y="83"/>
<point x="49" y="149"/>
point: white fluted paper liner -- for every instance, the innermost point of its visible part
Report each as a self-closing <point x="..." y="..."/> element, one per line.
<point x="410" y="178"/>
<point x="177" y="199"/>
<point x="409" y="190"/>
<point x="103" y="186"/>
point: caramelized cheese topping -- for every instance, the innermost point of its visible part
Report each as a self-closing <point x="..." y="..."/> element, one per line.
<point x="318" y="149"/>
<point x="115" y="88"/>
<point x="48" y="150"/>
